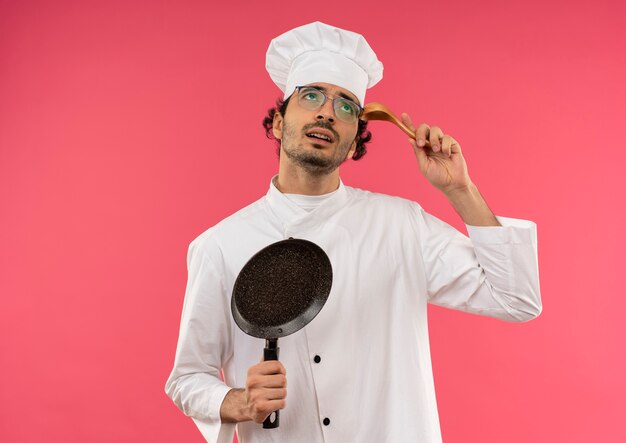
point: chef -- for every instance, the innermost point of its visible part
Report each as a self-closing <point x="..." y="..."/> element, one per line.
<point x="361" y="370"/>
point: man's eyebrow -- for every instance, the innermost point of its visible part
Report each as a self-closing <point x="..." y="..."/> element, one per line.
<point x="346" y="96"/>
<point x="340" y="94"/>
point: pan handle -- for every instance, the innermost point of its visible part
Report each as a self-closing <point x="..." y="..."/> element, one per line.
<point x="270" y="352"/>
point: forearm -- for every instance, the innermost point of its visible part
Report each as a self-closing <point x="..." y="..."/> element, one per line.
<point x="471" y="206"/>
<point x="234" y="408"/>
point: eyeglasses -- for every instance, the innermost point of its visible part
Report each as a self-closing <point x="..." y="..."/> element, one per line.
<point x="312" y="98"/>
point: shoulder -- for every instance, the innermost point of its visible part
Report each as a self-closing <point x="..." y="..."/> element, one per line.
<point x="210" y="241"/>
<point x="379" y="201"/>
<point x="377" y="209"/>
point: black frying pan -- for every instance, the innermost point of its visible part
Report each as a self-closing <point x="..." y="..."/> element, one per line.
<point x="278" y="292"/>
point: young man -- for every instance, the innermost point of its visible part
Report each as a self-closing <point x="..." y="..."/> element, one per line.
<point x="361" y="370"/>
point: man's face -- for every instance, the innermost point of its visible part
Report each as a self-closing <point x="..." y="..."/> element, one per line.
<point x="316" y="140"/>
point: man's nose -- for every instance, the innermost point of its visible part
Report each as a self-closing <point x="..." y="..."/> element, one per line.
<point x="326" y="112"/>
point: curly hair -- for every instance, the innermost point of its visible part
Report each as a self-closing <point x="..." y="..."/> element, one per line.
<point x="363" y="135"/>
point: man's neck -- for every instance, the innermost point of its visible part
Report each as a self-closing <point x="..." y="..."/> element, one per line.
<point x="299" y="182"/>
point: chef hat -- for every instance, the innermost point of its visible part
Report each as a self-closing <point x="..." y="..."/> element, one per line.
<point x="321" y="53"/>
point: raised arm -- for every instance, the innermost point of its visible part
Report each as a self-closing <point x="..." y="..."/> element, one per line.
<point x="441" y="161"/>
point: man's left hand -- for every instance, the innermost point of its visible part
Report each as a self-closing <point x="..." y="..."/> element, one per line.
<point x="439" y="157"/>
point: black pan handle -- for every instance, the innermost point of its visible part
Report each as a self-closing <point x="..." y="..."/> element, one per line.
<point x="270" y="352"/>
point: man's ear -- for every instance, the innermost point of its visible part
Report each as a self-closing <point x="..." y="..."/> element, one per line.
<point x="352" y="148"/>
<point x="277" y="126"/>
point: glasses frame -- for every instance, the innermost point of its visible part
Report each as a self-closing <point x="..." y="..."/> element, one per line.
<point x="333" y="97"/>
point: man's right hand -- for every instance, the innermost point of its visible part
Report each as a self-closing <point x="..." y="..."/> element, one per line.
<point x="265" y="392"/>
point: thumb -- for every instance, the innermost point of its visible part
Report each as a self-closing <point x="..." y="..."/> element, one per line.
<point x="420" y="155"/>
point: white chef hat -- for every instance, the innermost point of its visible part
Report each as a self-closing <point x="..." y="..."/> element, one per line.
<point x="318" y="52"/>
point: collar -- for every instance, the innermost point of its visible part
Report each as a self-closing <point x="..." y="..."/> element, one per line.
<point x="294" y="217"/>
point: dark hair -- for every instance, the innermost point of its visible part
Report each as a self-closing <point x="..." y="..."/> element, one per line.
<point x="363" y="135"/>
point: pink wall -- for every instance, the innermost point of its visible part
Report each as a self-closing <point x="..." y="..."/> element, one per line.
<point x="127" y="128"/>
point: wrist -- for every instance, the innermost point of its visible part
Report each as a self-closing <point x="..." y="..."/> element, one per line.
<point x="234" y="408"/>
<point x="470" y="205"/>
<point x="462" y="193"/>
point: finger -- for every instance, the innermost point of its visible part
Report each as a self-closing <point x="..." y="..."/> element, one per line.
<point x="455" y="147"/>
<point x="422" y="134"/>
<point x="274" y="381"/>
<point x="275" y="393"/>
<point x="266" y="408"/>
<point x="446" y="145"/>
<point x="406" y="119"/>
<point x="436" y="134"/>
<point x="268" y="367"/>
<point x="257" y="381"/>
<point x="275" y="405"/>
<point x="260" y="394"/>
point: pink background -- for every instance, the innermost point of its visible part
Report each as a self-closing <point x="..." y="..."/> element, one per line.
<point x="127" y="128"/>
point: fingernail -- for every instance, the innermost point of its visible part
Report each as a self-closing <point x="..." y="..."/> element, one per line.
<point x="421" y="142"/>
<point x="436" y="148"/>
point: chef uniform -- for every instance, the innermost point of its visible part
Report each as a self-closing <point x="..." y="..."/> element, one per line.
<point x="361" y="370"/>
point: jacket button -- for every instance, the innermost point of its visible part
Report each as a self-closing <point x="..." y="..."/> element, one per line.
<point x="326" y="421"/>
<point x="317" y="359"/>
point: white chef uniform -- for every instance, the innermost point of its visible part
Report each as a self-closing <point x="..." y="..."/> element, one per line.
<point x="361" y="370"/>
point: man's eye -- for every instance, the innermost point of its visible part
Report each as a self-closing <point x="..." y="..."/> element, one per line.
<point x="312" y="96"/>
<point x="345" y="107"/>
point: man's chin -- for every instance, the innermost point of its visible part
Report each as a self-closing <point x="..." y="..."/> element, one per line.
<point x="315" y="161"/>
<point x="316" y="165"/>
<point x="315" y="158"/>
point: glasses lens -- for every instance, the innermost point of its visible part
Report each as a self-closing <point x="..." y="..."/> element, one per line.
<point x="310" y="98"/>
<point x="313" y="98"/>
<point x="346" y="110"/>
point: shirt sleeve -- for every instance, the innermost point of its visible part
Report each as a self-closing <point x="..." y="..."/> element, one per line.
<point x="494" y="272"/>
<point x="204" y="343"/>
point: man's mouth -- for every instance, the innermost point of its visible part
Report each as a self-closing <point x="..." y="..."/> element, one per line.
<point x="320" y="134"/>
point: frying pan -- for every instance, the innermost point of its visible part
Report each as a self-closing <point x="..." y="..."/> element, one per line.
<point x="278" y="292"/>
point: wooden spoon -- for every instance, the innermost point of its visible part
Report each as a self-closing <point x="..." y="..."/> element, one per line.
<point x="378" y="111"/>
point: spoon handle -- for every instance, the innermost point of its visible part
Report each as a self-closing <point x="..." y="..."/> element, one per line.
<point x="404" y="128"/>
